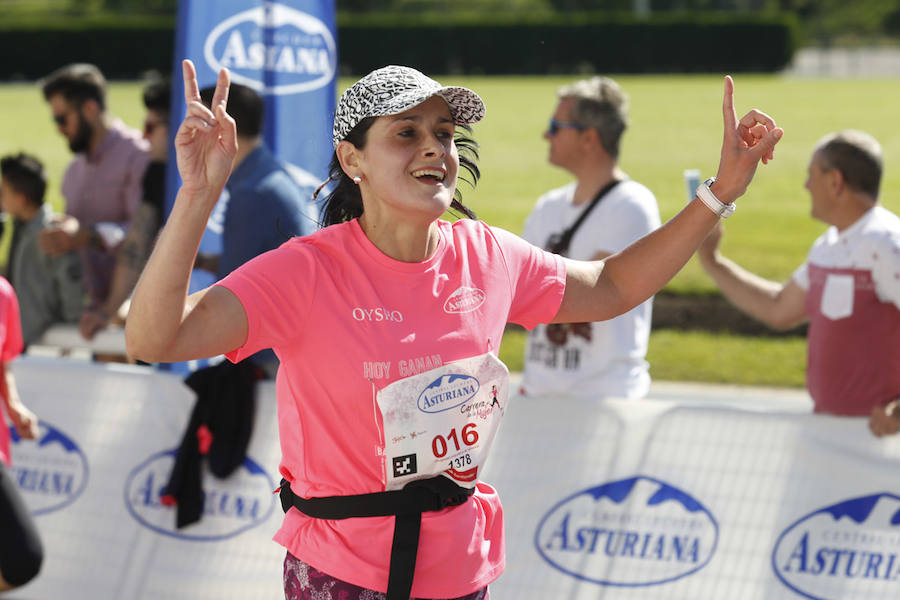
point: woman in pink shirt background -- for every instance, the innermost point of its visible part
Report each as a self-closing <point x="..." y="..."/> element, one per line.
<point x="387" y="323"/>
<point x="21" y="550"/>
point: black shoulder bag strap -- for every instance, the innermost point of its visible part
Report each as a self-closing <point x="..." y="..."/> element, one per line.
<point x="558" y="243"/>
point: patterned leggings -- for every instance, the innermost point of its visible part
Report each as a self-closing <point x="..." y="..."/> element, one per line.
<point x="303" y="582"/>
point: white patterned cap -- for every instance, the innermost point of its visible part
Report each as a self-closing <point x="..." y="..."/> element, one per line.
<point x="393" y="89"/>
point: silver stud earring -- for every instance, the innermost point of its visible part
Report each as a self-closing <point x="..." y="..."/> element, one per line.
<point x="357" y="179"/>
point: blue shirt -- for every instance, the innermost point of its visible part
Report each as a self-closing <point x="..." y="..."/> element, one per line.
<point x="266" y="207"/>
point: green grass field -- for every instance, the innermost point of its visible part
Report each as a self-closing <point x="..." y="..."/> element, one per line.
<point x="676" y="124"/>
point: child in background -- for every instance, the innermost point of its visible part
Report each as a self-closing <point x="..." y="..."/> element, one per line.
<point x="50" y="289"/>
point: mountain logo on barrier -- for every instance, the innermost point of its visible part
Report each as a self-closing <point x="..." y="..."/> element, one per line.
<point x="446" y="392"/>
<point x="634" y="532"/>
<point x="273" y="49"/>
<point x="50" y="472"/>
<point x="231" y="506"/>
<point x="849" y="549"/>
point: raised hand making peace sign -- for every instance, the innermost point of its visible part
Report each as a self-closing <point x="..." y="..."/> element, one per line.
<point x="206" y="142"/>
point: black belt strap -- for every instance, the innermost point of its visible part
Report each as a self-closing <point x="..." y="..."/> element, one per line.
<point x="406" y="505"/>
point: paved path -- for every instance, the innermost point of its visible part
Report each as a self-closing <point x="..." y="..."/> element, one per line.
<point x="752" y="397"/>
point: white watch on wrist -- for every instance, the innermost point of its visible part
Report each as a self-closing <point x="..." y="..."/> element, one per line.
<point x="707" y="197"/>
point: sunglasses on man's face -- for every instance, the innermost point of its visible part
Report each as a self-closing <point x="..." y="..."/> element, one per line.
<point x="62" y="118"/>
<point x="555" y="126"/>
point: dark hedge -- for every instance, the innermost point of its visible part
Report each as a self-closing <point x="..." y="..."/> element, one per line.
<point x="504" y="44"/>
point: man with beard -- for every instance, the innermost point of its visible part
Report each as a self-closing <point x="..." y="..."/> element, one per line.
<point x="102" y="185"/>
<point x="148" y="219"/>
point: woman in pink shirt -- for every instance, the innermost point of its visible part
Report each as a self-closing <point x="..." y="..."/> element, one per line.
<point x="21" y="551"/>
<point x="387" y="323"/>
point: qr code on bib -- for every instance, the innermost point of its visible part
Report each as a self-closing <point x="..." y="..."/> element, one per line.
<point x="404" y="465"/>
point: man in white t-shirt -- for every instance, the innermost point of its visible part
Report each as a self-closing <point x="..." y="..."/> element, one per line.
<point x="848" y="288"/>
<point x="603" y="359"/>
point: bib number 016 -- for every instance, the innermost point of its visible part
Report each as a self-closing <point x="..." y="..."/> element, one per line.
<point x="440" y="445"/>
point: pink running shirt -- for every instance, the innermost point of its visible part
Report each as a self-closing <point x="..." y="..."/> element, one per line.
<point x="10" y="347"/>
<point x="345" y="320"/>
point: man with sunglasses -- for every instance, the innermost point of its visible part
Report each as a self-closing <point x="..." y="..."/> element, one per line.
<point x="603" y="359"/>
<point x="147" y="221"/>
<point x="102" y="184"/>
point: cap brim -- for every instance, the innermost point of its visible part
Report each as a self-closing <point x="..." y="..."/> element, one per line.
<point x="466" y="107"/>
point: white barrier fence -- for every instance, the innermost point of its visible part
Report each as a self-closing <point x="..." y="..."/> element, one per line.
<point x="108" y="437"/>
<point x="693" y="500"/>
<point x="687" y="497"/>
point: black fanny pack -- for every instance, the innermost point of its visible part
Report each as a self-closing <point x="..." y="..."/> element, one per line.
<point x="406" y="505"/>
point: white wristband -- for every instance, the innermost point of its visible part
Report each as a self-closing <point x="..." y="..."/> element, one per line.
<point x="707" y="197"/>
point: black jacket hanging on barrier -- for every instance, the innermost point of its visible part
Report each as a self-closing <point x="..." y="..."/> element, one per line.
<point x="219" y="428"/>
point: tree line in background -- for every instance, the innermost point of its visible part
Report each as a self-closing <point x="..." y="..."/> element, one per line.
<point x="823" y="22"/>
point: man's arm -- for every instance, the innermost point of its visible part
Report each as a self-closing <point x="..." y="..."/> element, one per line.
<point x="780" y="306"/>
<point x="24" y="420"/>
<point x="66" y="235"/>
<point x="68" y="277"/>
<point x="130" y="259"/>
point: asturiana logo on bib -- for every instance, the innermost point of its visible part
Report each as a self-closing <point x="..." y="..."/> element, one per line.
<point x="273" y="48"/>
<point x="463" y="300"/>
<point x="846" y="550"/>
<point x="634" y="532"/>
<point x="446" y="392"/>
<point x="50" y="472"/>
<point x="231" y="506"/>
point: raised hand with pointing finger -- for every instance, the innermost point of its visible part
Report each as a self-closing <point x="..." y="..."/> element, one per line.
<point x="745" y="143"/>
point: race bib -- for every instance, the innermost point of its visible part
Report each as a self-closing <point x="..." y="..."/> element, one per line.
<point x="443" y="421"/>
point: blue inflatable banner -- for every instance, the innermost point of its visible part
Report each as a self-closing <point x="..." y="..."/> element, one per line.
<point x="284" y="49"/>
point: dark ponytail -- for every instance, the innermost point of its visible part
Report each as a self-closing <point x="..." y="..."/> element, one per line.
<point x="344" y="202"/>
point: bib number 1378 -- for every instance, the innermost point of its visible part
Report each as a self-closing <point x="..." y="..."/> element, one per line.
<point x="455" y="441"/>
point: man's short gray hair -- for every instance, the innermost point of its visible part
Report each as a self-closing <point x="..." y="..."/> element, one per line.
<point x="601" y="105"/>
<point x="857" y="155"/>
